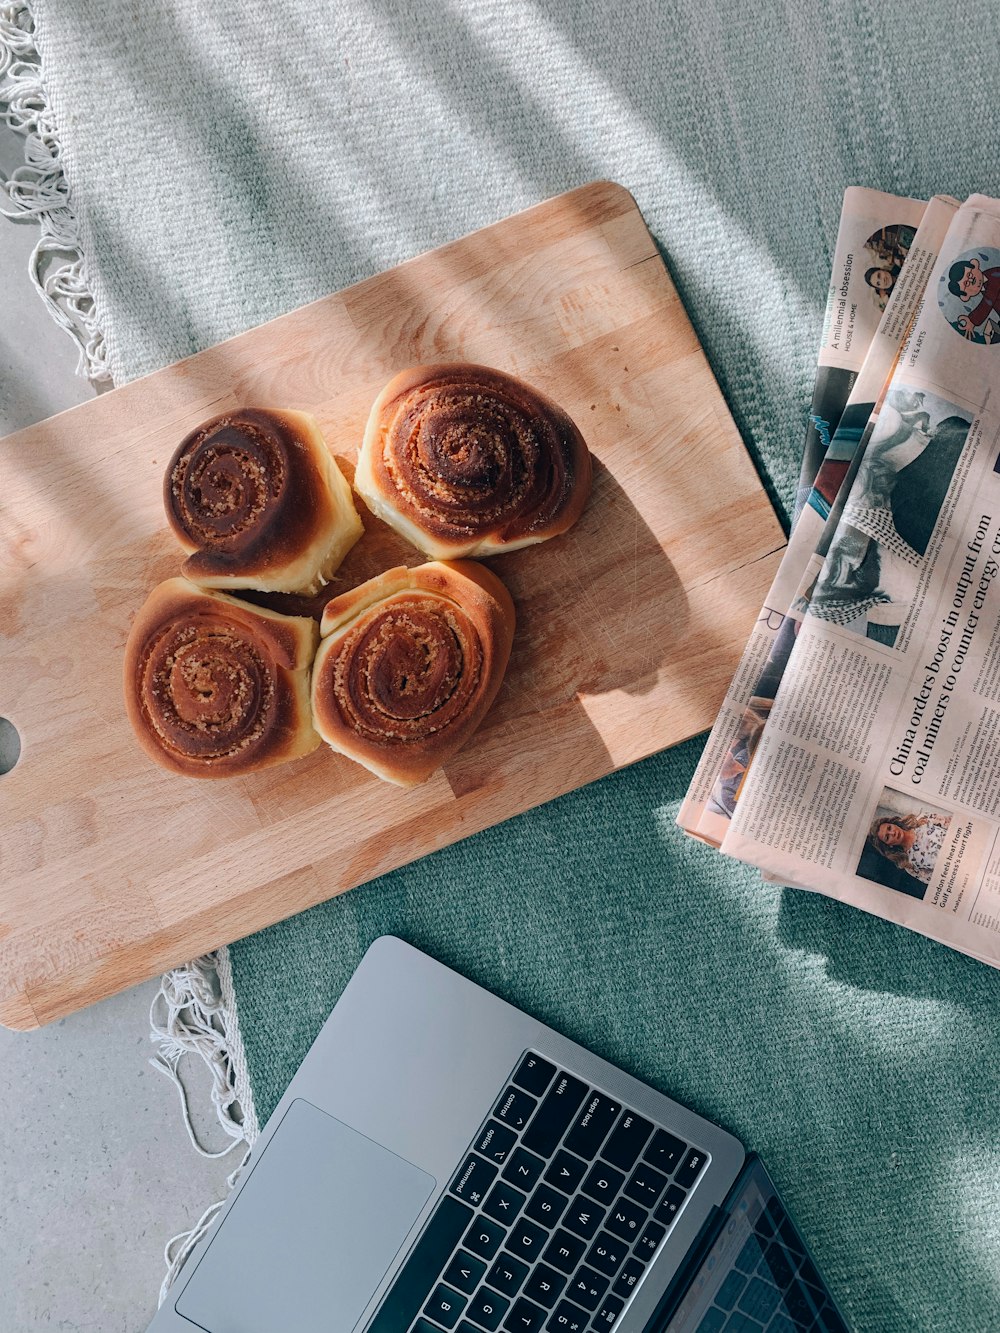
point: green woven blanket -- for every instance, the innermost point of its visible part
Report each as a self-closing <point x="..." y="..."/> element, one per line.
<point x="227" y="162"/>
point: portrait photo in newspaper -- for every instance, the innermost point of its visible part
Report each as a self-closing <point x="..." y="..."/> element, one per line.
<point x="887" y="249"/>
<point x="904" y="842"/>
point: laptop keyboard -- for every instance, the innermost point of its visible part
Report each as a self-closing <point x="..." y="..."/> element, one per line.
<point x="559" y="1205"/>
<point x="773" y="1285"/>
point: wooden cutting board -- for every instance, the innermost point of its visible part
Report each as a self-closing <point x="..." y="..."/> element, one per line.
<point x="629" y="627"/>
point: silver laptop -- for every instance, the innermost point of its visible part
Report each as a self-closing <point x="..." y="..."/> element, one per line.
<point x="443" y="1163"/>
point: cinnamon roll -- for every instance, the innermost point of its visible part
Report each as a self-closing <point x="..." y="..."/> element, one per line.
<point x="214" y="687"/>
<point x="408" y="665"/>
<point x="257" y="500"/>
<point x="464" y="460"/>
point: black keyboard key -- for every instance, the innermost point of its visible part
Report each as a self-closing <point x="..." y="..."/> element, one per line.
<point x="422" y="1326"/>
<point x="799" y="1305"/>
<point x="546" y="1206"/>
<point x="597" y="1114"/>
<point x="567" y="1318"/>
<point x="565" y="1172"/>
<point x="544" y="1286"/>
<point x="495" y="1142"/>
<point x="523" y="1169"/>
<point x="515" y="1108"/>
<point x="503" y="1203"/>
<point x="750" y="1256"/>
<point x="607" y="1254"/>
<point x="831" y="1322"/>
<point x="526" y="1240"/>
<point x="781" y="1267"/>
<point x="649" y="1241"/>
<point x="484" y="1237"/>
<point x="628" y="1138"/>
<point x="607" y="1315"/>
<point x="534" y="1074"/>
<point x="628" y="1279"/>
<point x="713" y="1321"/>
<point x="464" y="1272"/>
<point x="729" y="1293"/>
<point x="809" y="1274"/>
<point x="819" y="1298"/>
<point x="420" y="1272"/>
<point x="445" y="1307"/>
<point x="792" y="1239"/>
<point x="474" y="1179"/>
<point x="645" y="1185"/>
<point x="584" y="1218"/>
<point x="564" y="1251"/>
<point x="626" y="1220"/>
<point x="669" y="1205"/>
<point x="665" y="1151"/>
<point x="507" y="1274"/>
<point x="691" y="1168"/>
<point x="587" y="1288"/>
<point x="487" y="1308"/>
<point x="525" y="1317"/>
<point x="603" y="1183"/>
<point x="782" y="1324"/>
<point x="759" y="1301"/>
<point x="554" y="1113"/>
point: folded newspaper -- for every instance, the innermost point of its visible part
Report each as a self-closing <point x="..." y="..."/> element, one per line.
<point x="856" y="300"/>
<point x="858" y="751"/>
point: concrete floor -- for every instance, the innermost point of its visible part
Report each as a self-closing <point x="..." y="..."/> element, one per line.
<point x="96" y="1171"/>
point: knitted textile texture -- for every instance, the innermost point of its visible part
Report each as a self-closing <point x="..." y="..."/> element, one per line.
<point x="227" y="162"/>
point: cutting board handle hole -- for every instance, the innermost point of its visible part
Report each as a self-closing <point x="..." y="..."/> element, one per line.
<point x="10" y="746"/>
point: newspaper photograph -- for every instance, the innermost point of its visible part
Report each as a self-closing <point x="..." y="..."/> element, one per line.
<point x="817" y="524"/>
<point x="876" y="772"/>
<point x="864" y="310"/>
<point x="852" y="314"/>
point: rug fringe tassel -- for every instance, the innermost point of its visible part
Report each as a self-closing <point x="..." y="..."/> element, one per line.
<point x="193" y="1013"/>
<point x="185" y="1241"/>
<point x="38" y="190"/>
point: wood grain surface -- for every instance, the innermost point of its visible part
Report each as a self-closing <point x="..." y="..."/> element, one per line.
<point x="629" y="626"/>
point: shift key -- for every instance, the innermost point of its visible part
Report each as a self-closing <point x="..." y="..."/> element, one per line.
<point x="557" y="1109"/>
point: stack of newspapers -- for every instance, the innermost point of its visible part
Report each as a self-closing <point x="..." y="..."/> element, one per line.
<point x="857" y="752"/>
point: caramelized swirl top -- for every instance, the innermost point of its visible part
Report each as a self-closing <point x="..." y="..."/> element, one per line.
<point x="474" y="459"/>
<point x="243" y="491"/>
<point x="407" y="669"/>
<point x="410" y="663"/>
<point x="209" y="683"/>
<point x="206" y="691"/>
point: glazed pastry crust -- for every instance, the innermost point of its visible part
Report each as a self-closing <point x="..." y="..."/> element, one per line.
<point x="215" y="687"/>
<point x="463" y="460"/>
<point x="408" y="665"/>
<point x="257" y="500"/>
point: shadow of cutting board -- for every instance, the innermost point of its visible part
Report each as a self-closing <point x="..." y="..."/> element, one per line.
<point x="629" y="627"/>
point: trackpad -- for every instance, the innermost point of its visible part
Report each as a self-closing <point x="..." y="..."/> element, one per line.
<point x="311" y="1235"/>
